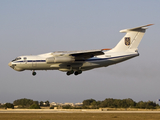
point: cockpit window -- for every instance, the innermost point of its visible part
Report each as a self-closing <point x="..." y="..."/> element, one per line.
<point x="18" y="58"/>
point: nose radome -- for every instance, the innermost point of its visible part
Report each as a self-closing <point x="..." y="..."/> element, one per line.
<point x="10" y="64"/>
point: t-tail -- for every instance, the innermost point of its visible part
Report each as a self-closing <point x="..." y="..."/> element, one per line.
<point x="131" y="40"/>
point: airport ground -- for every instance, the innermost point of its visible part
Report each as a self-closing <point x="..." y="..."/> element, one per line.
<point x="79" y="116"/>
<point x="73" y="114"/>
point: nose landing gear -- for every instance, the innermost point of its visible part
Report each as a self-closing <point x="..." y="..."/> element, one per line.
<point x="34" y="73"/>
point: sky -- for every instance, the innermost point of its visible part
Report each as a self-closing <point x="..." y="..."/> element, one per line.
<point x="32" y="27"/>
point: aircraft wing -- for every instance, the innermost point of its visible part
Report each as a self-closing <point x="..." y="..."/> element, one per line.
<point x="85" y="54"/>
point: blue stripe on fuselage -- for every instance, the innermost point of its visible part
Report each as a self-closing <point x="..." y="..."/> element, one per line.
<point x="91" y="59"/>
<point x="32" y="61"/>
<point x="95" y="59"/>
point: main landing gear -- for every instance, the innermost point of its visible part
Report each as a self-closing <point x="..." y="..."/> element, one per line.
<point x="68" y="73"/>
<point x="34" y="73"/>
<point x="75" y="73"/>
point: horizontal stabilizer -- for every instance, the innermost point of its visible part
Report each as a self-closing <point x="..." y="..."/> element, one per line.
<point x="136" y="29"/>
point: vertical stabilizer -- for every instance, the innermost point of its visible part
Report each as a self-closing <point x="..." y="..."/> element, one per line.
<point x="131" y="40"/>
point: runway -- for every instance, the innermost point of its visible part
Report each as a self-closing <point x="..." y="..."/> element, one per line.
<point x="68" y="111"/>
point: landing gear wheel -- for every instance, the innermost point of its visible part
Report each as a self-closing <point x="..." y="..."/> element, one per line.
<point x="70" y="72"/>
<point x="78" y="72"/>
<point x="33" y="73"/>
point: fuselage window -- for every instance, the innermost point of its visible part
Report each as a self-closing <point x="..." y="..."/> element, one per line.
<point x="18" y="58"/>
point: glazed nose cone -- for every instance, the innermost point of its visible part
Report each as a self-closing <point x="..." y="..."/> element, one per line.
<point x="10" y="64"/>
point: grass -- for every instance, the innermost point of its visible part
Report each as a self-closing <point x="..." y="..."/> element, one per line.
<point x="79" y="116"/>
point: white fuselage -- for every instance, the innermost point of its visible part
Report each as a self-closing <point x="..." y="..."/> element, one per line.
<point x="38" y="62"/>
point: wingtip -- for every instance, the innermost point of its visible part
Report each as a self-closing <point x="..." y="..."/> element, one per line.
<point x="149" y="24"/>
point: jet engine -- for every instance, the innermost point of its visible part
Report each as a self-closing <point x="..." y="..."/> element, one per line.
<point x="60" y="59"/>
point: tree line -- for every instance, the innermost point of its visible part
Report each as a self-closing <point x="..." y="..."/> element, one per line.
<point x="25" y="103"/>
<point x="87" y="104"/>
<point x="118" y="103"/>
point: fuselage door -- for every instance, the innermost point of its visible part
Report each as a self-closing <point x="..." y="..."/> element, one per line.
<point x="25" y="60"/>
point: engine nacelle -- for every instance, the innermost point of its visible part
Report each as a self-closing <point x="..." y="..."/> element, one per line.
<point x="60" y="59"/>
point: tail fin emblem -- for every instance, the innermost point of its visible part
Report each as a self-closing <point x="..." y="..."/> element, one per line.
<point x="127" y="41"/>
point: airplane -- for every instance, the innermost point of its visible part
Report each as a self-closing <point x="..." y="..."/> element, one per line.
<point x="75" y="62"/>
